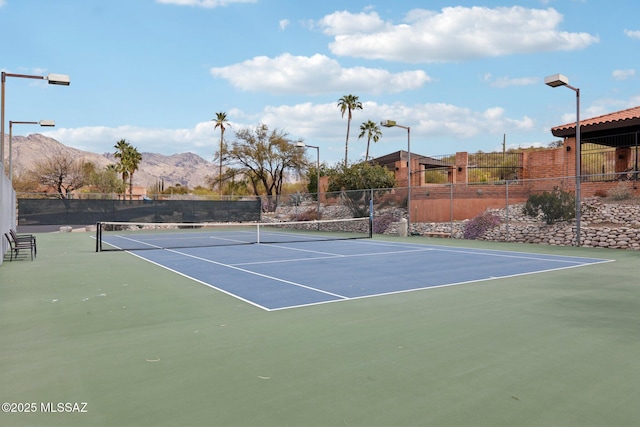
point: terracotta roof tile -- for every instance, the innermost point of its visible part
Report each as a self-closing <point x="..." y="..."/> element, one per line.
<point x="618" y="116"/>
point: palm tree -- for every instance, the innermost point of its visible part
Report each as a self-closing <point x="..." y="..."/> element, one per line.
<point x="348" y="103"/>
<point x="372" y="131"/>
<point x="129" y="160"/>
<point x="120" y="154"/>
<point x="134" y="159"/>
<point x="221" y="120"/>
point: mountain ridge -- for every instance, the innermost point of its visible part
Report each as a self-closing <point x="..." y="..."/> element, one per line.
<point x="187" y="169"/>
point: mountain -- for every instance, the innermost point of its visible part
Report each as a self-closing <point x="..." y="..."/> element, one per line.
<point x="186" y="169"/>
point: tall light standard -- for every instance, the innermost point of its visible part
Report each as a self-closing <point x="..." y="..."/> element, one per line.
<point x="53" y="79"/>
<point x="303" y="145"/>
<point x="560" y="80"/>
<point x="44" y="123"/>
<point x="390" y="124"/>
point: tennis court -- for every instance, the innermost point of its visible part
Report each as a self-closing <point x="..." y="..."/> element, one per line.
<point x="530" y="336"/>
<point x="280" y="276"/>
<point x="315" y="266"/>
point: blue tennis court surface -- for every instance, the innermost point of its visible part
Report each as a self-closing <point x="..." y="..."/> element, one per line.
<point x="281" y="276"/>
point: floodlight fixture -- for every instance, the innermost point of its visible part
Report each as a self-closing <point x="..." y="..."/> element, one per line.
<point x="556" y="80"/>
<point x="58" y="79"/>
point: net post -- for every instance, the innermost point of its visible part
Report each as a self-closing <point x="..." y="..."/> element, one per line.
<point x="371" y="215"/>
<point x="98" y="236"/>
<point x="258" y="233"/>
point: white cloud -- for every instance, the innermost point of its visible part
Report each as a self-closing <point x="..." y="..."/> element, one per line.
<point x="288" y="74"/>
<point x="101" y="139"/>
<point x="502" y="82"/>
<point x="623" y="74"/>
<point x="284" y="23"/>
<point x="209" y="4"/>
<point x="429" y="123"/>
<point x="454" y="34"/>
<point x="339" y="23"/>
<point x="632" y="34"/>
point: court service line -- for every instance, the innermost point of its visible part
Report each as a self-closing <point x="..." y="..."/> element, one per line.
<point x="266" y="276"/>
<point x="137" y="241"/>
<point x="569" y="259"/>
<point x="546" y="258"/>
<point x="330" y="257"/>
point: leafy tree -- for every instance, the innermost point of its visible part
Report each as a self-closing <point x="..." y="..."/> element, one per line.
<point x="264" y="157"/>
<point x="360" y="176"/>
<point x="372" y="131"/>
<point x="357" y="182"/>
<point x="235" y="183"/>
<point x="312" y="177"/>
<point x="221" y="120"/>
<point x="176" y="189"/>
<point x="104" y="180"/>
<point x="60" y="172"/>
<point x="348" y="103"/>
<point x="25" y="183"/>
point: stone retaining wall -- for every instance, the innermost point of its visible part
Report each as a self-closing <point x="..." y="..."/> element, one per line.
<point x="603" y="225"/>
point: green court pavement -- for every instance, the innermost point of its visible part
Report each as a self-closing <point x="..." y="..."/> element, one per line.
<point x="142" y="346"/>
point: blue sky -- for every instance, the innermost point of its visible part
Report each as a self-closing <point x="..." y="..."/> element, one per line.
<point x="460" y="73"/>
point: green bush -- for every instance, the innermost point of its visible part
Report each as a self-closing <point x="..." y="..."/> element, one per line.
<point x="555" y="206"/>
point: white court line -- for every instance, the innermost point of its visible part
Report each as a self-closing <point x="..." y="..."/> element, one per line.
<point x="134" y="240"/>
<point x="300" y="285"/>
<point x="151" y="239"/>
<point x="498" y="253"/>
<point x="330" y="256"/>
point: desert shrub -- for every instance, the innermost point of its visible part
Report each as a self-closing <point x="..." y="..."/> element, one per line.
<point x="555" y="206"/>
<point x="621" y="192"/>
<point x="600" y="193"/>
<point x="306" y="215"/>
<point x="480" y="225"/>
<point x="382" y="222"/>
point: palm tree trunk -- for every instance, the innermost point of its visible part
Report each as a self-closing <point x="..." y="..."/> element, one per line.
<point x="346" y="144"/>
<point x="130" y="187"/>
<point x="220" y="166"/>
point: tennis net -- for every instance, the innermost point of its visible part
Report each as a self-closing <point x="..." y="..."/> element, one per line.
<point x="125" y="236"/>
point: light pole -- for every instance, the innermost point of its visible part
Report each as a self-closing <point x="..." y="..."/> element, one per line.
<point x="303" y="145"/>
<point x="53" y="79"/>
<point x="43" y="123"/>
<point x="390" y="124"/>
<point x="560" y="80"/>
